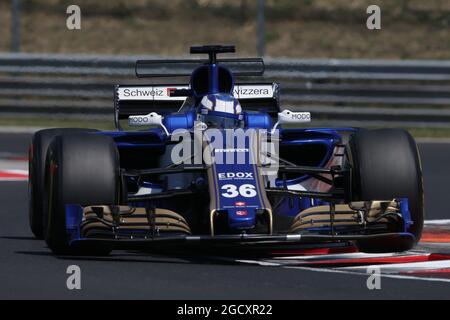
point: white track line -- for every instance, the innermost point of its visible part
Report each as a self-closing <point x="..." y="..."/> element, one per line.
<point x="286" y="261"/>
<point x="406" y="267"/>
<point x="438" y="222"/>
<point x="361" y="270"/>
<point x="260" y="263"/>
<point x="401" y="277"/>
<point x="15" y="171"/>
<point x="354" y="255"/>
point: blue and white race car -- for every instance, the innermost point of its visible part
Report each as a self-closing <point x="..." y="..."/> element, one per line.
<point x="216" y="163"/>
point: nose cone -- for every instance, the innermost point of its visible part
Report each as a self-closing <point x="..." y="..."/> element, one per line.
<point x="241" y="218"/>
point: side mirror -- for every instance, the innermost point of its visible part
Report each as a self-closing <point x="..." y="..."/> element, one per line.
<point x="287" y="116"/>
<point x="151" y="119"/>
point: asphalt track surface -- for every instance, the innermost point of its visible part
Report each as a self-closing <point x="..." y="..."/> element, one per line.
<point x="29" y="271"/>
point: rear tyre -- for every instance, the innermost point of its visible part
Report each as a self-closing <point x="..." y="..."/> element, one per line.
<point x="386" y="165"/>
<point x="81" y="169"/>
<point x="37" y="152"/>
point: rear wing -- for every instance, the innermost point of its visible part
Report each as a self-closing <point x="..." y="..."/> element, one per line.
<point x="239" y="67"/>
<point x="138" y="99"/>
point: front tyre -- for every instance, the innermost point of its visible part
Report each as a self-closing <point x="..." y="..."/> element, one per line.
<point x="37" y="153"/>
<point x="81" y="169"/>
<point x="386" y="165"/>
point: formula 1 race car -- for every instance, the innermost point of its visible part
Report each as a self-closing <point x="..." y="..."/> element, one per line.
<point x="217" y="163"/>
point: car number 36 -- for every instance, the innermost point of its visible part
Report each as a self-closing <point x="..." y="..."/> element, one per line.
<point x="232" y="191"/>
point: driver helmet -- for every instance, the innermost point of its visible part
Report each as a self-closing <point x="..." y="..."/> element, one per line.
<point x="225" y="104"/>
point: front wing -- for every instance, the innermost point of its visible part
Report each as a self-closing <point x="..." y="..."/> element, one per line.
<point x="126" y="227"/>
